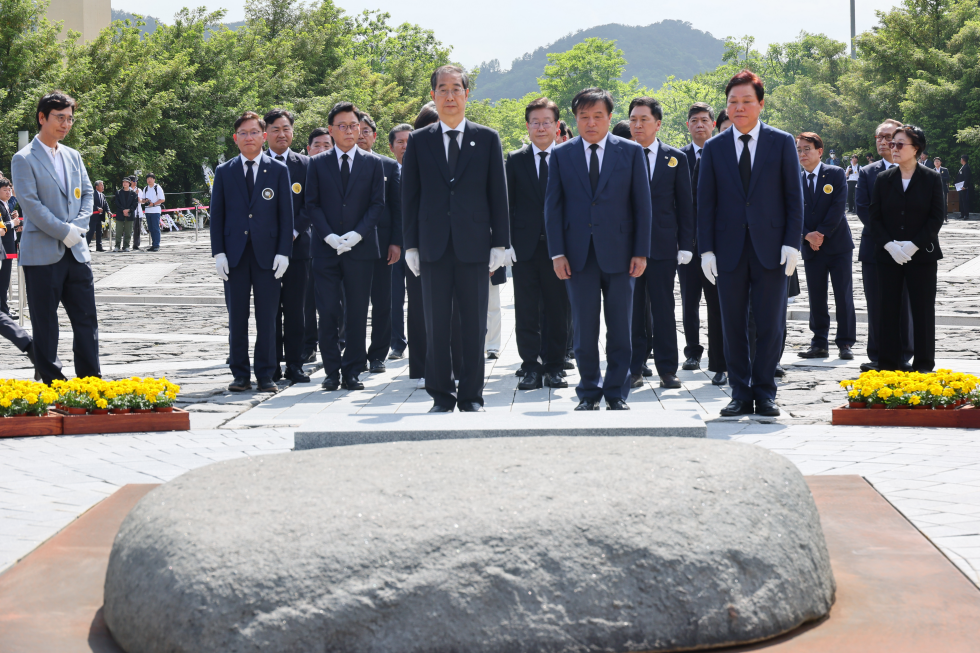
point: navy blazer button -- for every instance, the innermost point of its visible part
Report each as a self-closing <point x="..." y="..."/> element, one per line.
<point x="748" y="204"/>
<point x="452" y="192"/>
<point x="250" y="215"/>
<point x="246" y="233"/>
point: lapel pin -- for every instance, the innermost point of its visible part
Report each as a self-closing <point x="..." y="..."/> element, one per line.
<point x="472" y="143"/>
<point x="268" y="193"/>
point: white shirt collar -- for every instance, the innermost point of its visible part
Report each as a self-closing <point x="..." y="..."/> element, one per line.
<point x="888" y="164"/>
<point x="273" y="155"/>
<point x="256" y="159"/>
<point x="816" y="171"/>
<point x="351" y="154"/>
<point x="654" y="147"/>
<point x="601" y="144"/>
<point x="49" y="150"/>
<point x="754" y="132"/>
<point x="461" y="127"/>
<point x="537" y="149"/>
<point x="697" y="150"/>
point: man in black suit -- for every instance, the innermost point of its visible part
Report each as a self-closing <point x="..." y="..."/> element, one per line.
<point x="100" y="209"/>
<point x="390" y="246"/>
<point x="397" y="142"/>
<point x="319" y="141"/>
<point x="701" y="124"/>
<point x="963" y="177"/>
<point x="345" y="195"/>
<point x="291" y="316"/>
<point x="866" y="253"/>
<point x="8" y="240"/>
<point x="937" y="165"/>
<point x="671" y="244"/>
<point x="926" y="160"/>
<point x="535" y="281"/>
<point x="454" y="207"/>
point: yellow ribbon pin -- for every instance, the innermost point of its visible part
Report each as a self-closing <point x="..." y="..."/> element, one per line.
<point x="672" y="163"/>
<point x="297" y="188"/>
<point x="828" y="189"/>
<point x="78" y="193"/>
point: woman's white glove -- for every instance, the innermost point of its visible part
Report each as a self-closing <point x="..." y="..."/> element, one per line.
<point x="895" y="249"/>
<point x="908" y="248"/>
<point x="709" y="265"/>
<point x="221" y="266"/>
<point x="412" y="261"/>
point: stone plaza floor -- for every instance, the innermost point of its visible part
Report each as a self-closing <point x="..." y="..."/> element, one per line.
<point x="163" y="314"/>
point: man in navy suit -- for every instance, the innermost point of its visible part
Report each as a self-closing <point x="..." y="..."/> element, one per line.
<point x="598" y="217"/>
<point x="701" y="124"/>
<point x="750" y="217"/>
<point x="397" y="142"/>
<point x="866" y="254"/>
<point x="345" y="195"/>
<point x="454" y="212"/>
<point x="827" y="247"/>
<point x="670" y="245"/>
<point x="390" y="246"/>
<point x="251" y="239"/>
<point x="291" y="315"/>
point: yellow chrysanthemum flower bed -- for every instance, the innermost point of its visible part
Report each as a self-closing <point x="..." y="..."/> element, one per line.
<point x="939" y="389"/>
<point x="25" y="398"/>
<point x="93" y="393"/>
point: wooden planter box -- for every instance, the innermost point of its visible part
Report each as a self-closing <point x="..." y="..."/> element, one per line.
<point x="13" y="427"/>
<point x="178" y="420"/>
<point x="964" y="417"/>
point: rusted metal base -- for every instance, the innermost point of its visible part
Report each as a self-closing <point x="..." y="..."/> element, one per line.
<point x="896" y="593"/>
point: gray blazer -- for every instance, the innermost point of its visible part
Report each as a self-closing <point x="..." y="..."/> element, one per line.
<point x="47" y="207"/>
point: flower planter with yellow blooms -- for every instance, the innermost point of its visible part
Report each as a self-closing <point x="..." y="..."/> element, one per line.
<point x="940" y="398"/>
<point x="125" y="406"/>
<point x="24" y="409"/>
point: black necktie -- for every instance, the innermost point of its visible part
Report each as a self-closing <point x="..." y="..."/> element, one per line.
<point x="280" y="157"/>
<point x="809" y="182"/>
<point x="745" y="162"/>
<point x="694" y="180"/>
<point x="453" y="151"/>
<point x="543" y="171"/>
<point x="344" y="171"/>
<point x="594" y="167"/>
<point x="646" y="153"/>
<point x="249" y="179"/>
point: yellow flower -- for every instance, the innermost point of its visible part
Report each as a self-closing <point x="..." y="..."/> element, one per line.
<point x="915" y="400"/>
<point x="884" y="393"/>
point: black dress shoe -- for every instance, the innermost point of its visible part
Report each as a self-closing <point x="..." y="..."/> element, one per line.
<point x="569" y="363"/>
<point x="736" y="407"/>
<point x="813" y="352"/>
<point x="441" y="409"/>
<point x="691" y="363"/>
<point x="553" y="380"/>
<point x="377" y="367"/>
<point x="330" y="384"/>
<point x="470" y="407"/>
<point x="351" y="384"/>
<point x="519" y="372"/>
<point x="396" y="355"/>
<point x="492" y="355"/>
<point x="99" y="249"/>
<point x="636" y="381"/>
<point x="719" y="379"/>
<point x="588" y="404"/>
<point x="870" y="366"/>
<point x="277" y="374"/>
<point x="266" y="385"/>
<point x="531" y="381"/>
<point x="845" y="353"/>
<point x="646" y="371"/>
<point x="616" y="404"/>
<point x="240" y="384"/>
<point x="669" y="381"/>
<point x="767" y="408"/>
<point x="780" y="372"/>
<point x="296" y="375"/>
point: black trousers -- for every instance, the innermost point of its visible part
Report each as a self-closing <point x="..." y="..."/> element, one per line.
<point x="869" y="272"/>
<point x="964" y="197"/>
<point x="380" y="311"/>
<point x="343" y="290"/>
<point x="94" y="230"/>
<point x="447" y="284"/>
<point x="6" y="267"/>
<point x="245" y="281"/>
<point x="836" y="267"/>
<point x="398" y="339"/>
<point x="71" y="284"/>
<point x="657" y="285"/>
<point x="535" y="286"/>
<point x="917" y="281"/>
<point x="851" y="195"/>
<point x="415" y="320"/>
<point x="291" y="315"/>
<point x="309" y="313"/>
<point x="693" y="283"/>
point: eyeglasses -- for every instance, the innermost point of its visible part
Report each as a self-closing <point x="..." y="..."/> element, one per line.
<point x="62" y="119"/>
<point x="805" y="150"/>
<point x="251" y="134"/>
<point x="896" y="145"/>
<point x="446" y="92"/>
<point x="542" y="125"/>
<point x="353" y="127"/>
<point x="884" y="137"/>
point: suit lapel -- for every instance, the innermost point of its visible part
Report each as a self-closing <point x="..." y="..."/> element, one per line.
<point x="466" y="150"/>
<point x="238" y="177"/>
<point x="261" y="178"/>
<point x="532" y="170"/>
<point x="333" y="170"/>
<point x="659" y="170"/>
<point x="438" y="149"/>
<point x="41" y="155"/>
<point x="762" y="149"/>
<point x="609" y="159"/>
<point x="807" y="191"/>
<point x="578" y="152"/>
<point x="729" y="158"/>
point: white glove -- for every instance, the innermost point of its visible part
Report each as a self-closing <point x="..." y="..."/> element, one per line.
<point x="895" y="249"/>
<point x="279" y="265"/>
<point x="334" y="241"/>
<point x="221" y="266"/>
<point x="709" y="266"/>
<point x="74" y="236"/>
<point x="497" y="257"/>
<point x="684" y="257"/>
<point x="510" y="257"/>
<point x="412" y="261"/>
<point x="790" y="257"/>
<point x="908" y="248"/>
<point x="351" y="238"/>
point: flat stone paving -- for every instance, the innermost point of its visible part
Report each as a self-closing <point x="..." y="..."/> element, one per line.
<point x="931" y="475"/>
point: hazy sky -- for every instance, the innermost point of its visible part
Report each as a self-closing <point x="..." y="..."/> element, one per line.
<point x="506" y="29"/>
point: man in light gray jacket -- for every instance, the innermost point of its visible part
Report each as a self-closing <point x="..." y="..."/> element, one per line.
<point x="56" y="198"/>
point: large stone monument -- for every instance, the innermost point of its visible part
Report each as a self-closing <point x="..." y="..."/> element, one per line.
<point x="498" y="545"/>
<point x="86" y="16"/>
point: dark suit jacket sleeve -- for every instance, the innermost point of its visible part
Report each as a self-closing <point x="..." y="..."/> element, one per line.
<point x="794" y="194"/>
<point x="835" y="215"/>
<point x="411" y="195"/>
<point x="707" y="202"/>
<point x="395" y="196"/>
<point x="876" y="221"/>
<point x="936" y="214"/>
<point x="862" y="197"/>
<point x="285" y="193"/>
<point x="642" y="205"/>
<point x="554" y="206"/>
<point x="685" y="206"/>
<point x="373" y="215"/>
<point x="509" y="171"/>
<point x="314" y="199"/>
<point x="497" y="189"/>
<point x="217" y="213"/>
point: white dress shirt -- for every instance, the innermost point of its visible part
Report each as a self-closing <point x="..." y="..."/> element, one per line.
<point x="58" y="162"/>
<point x="154" y="194"/>
<point x="255" y="167"/>
<point x="754" y="133"/>
<point x="652" y="155"/>
<point x="599" y="152"/>
<point x="537" y="159"/>
<point x="459" y="137"/>
<point x="806" y="178"/>
<point x="351" y="154"/>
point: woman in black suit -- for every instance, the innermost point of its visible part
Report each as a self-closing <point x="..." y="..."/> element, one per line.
<point x="906" y="216"/>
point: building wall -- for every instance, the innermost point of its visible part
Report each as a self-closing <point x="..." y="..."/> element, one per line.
<point x="86" y="16"/>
